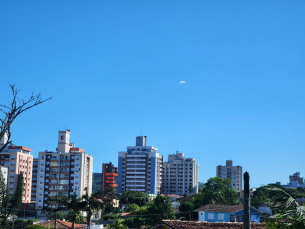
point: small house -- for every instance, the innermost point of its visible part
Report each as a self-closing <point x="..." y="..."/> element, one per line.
<point x="225" y="213"/>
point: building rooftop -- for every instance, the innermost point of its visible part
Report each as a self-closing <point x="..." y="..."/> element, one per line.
<point x="220" y="208"/>
<point x="177" y="224"/>
<point x="61" y="224"/>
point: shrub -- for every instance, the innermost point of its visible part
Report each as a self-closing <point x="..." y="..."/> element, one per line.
<point x="35" y="226"/>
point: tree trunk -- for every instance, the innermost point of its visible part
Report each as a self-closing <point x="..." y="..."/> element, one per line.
<point x="73" y="221"/>
<point x="88" y="219"/>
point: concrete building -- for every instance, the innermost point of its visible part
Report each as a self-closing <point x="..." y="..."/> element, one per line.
<point x="179" y="174"/>
<point x="63" y="172"/>
<point x="34" y="179"/>
<point x="109" y="176"/>
<point x="18" y="159"/>
<point x="234" y="173"/>
<point x="294" y="181"/>
<point x="140" y="168"/>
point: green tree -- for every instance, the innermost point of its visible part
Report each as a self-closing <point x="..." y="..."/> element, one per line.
<point x="35" y="226"/>
<point x="130" y="197"/>
<point x="218" y="191"/>
<point x="291" y="214"/>
<point x="96" y="182"/>
<point x="75" y="205"/>
<point x="107" y="196"/>
<point x="10" y="206"/>
<point x="91" y="203"/>
<point x="59" y="215"/>
<point x="118" y="224"/>
<point x="200" y="186"/>
<point x="159" y="208"/>
<point x="132" y="208"/>
<point x="190" y="188"/>
<point x="187" y="208"/>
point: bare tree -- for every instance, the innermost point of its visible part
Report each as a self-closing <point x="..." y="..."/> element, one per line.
<point x="15" y="108"/>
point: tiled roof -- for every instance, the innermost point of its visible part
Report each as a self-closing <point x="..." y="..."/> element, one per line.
<point x="177" y="224"/>
<point x="220" y="208"/>
<point x="61" y="224"/>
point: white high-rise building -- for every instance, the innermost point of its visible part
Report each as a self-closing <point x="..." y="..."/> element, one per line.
<point x="180" y="174"/>
<point x="63" y="172"/>
<point x="140" y="168"/>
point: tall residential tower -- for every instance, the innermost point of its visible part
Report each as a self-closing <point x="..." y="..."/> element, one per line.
<point x="17" y="159"/>
<point x="234" y="173"/>
<point x="181" y="175"/>
<point x="63" y="172"/>
<point x="140" y="168"/>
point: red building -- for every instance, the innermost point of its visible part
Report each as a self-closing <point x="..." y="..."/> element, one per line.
<point x="109" y="176"/>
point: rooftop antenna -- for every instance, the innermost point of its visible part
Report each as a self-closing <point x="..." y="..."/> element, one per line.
<point x="177" y="147"/>
<point x="141" y="132"/>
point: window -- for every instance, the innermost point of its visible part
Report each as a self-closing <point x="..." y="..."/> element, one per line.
<point x="253" y="218"/>
<point x="211" y="216"/>
<point x="221" y="216"/>
<point x="232" y="218"/>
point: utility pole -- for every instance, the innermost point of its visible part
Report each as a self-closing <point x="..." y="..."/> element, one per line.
<point x="247" y="222"/>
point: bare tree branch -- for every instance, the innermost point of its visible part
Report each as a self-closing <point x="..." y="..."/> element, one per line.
<point x="12" y="111"/>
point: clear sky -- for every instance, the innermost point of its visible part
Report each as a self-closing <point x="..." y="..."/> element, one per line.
<point x="114" y="70"/>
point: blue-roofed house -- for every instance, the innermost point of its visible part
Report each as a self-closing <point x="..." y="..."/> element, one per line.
<point x="226" y="213"/>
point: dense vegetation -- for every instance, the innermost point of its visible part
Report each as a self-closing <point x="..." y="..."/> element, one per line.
<point x="96" y="182"/>
<point x="266" y="195"/>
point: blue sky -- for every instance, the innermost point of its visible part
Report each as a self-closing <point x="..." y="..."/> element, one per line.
<point x="114" y="69"/>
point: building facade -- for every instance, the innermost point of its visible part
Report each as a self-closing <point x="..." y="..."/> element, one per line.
<point x="109" y="176"/>
<point x="140" y="168"/>
<point x="17" y="159"/>
<point x="63" y="172"/>
<point x="34" y="179"/>
<point x="295" y="181"/>
<point x="234" y="173"/>
<point x="180" y="175"/>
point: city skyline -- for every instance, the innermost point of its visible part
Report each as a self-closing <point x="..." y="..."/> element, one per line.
<point x="220" y="80"/>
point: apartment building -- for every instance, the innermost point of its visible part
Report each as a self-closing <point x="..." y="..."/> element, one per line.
<point x="109" y="176"/>
<point x="17" y="159"/>
<point x="180" y="174"/>
<point x="295" y="181"/>
<point x="234" y="173"/>
<point x="140" y="168"/>
<point x="34" y="179"/>
<point x="63" y="172"/>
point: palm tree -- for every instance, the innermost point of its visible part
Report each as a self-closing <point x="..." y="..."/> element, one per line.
<point x="75" y="205"/>
<point x="292" y="215"/>
<point x="91" y="203"/>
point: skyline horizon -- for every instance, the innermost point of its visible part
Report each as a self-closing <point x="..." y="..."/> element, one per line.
<point x="164" y="160"/>
<point x="220" y="79"/>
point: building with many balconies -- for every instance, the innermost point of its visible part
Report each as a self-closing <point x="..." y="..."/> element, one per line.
<point x="17" y="159"/>
<point x="180" y="175"/>
<point x="140" y="168"/>
<point x="63" y="172"/>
